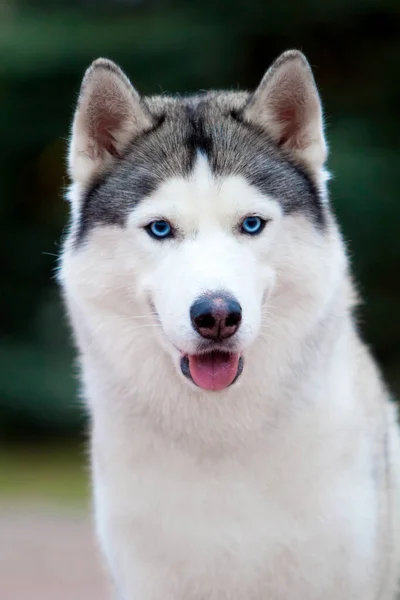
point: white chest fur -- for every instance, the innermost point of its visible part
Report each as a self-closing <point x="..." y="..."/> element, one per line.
<point x="283" y="521"/>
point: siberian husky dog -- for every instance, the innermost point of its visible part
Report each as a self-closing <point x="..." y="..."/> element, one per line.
<point x="243" y="444"/>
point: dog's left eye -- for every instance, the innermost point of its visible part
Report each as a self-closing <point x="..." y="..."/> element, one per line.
<point x="252" y="225"/>
<point x="159" y="229"/>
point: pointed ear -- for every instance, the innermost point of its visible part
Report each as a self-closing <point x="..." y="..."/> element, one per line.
<point x="287" y="105"/>
<point x="108" y="116"/>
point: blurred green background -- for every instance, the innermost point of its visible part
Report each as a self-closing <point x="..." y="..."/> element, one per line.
<point x="177" y="46"/>
<point x="174" y="46"/>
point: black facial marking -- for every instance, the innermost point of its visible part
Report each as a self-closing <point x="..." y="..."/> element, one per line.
<point x="185" y="367"/>
<point x="111" y="196"/>
<point x="300" y="193"/>
<point x="239" y="371"/>
<point x="198" y="138"/>
<point x="108" y="200"/>
<point x="211" y="124"/>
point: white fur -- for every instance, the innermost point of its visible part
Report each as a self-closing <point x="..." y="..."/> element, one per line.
<point x="285" y="486"/>
<point x="274" y="488"/>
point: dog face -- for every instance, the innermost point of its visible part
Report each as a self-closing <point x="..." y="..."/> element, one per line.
<point x="203" y="247"/>
<point x="201" y="222"/>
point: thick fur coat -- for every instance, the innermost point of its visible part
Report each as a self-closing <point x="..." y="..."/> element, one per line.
<point x="283" y="484"/>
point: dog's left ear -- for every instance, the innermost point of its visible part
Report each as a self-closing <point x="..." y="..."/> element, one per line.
<point x="287" y="105"/>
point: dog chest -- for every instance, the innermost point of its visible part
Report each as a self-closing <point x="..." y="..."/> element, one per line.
<point x="243" y="529"/>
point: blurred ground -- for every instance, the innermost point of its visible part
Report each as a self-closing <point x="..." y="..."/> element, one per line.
<point x="47" y="554"/>
<point x="47" y="545"/>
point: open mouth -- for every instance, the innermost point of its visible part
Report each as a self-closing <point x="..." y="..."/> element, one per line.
<point x="214" y="370"/>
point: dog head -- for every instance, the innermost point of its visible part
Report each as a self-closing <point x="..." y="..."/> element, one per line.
<point x="201" y="222"/>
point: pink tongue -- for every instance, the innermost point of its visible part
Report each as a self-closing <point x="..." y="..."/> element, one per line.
<point x="213" y="371"/>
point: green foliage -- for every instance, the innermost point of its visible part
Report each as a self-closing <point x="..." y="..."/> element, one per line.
<point x="180" y="47"/>
<point x="56" y="474"/>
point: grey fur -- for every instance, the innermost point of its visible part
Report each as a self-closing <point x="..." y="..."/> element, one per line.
<point x="210" y="123"/>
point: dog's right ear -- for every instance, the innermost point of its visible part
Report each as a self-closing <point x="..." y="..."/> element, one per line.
<point x="108" y="116"/>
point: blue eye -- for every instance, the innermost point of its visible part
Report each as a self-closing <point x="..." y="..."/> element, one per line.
<point x="159" y="229"/>
<point x="253" y="225"/>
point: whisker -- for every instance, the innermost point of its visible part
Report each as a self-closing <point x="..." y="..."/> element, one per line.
<point x="146" y="326"/>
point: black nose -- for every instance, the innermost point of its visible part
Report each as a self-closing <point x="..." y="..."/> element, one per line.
<point x="216" y="316"/>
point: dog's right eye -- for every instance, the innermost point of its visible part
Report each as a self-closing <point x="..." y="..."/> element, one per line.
<point x="159" y="230"/>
